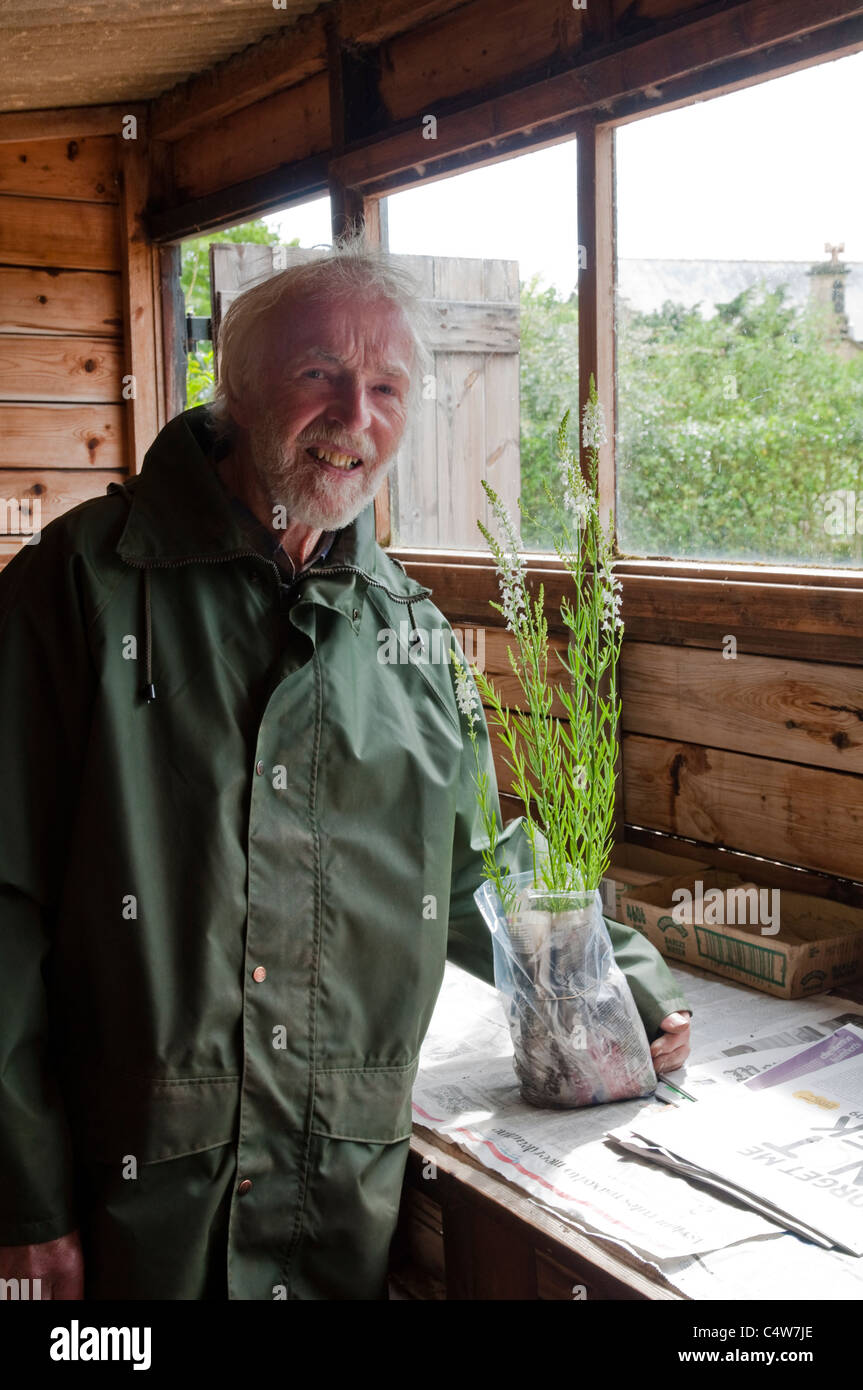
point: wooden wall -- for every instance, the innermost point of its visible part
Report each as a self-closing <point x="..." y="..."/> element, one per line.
<point x="62" y="433"/>
<point x="753" y="762"/>
<point x="723" y="759"/>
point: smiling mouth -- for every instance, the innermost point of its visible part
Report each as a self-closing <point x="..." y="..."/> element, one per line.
<point x="335" y="458"/>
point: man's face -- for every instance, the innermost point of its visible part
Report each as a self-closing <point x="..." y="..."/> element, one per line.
<point x="330" y="408"/>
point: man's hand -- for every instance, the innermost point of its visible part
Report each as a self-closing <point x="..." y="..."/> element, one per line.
<point x="671" y="1050"/>
<point x="59" y="1264"/>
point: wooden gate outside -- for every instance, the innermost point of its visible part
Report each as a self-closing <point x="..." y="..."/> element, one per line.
<point x="467" y="427"/>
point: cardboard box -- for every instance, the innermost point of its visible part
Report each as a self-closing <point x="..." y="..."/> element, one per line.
<point x="819" y="943"/>
<point x="635" y="865"/>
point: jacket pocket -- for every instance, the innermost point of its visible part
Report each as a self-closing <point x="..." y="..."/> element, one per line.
<point x="156" y="1120"/>
<point x="371" y="1105"/>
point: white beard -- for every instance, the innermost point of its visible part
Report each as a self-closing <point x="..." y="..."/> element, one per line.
<point x="310" y="494"/>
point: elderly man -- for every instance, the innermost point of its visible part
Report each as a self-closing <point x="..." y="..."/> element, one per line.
<point x="236" y="847"/>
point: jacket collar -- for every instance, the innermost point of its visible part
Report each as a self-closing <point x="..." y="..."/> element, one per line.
<point x="180" y="513"/>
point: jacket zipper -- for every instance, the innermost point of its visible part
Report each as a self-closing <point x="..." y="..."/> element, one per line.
<point x="146" y="565"/>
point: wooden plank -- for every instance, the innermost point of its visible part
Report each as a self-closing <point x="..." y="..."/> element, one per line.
<point x="732" y="572"/>
<point x="67" y="123"/>
<point x="141" y="307"/>
<point x="76" y="236"/>
<point x="663" y="610"/>
<point x="472" y="326"/>
<point x="74" y="169"/>
<point x="735" y="73"/>
<point x="62" y="436"/>
<point x="762" y="871"/>
<point x="60" y="369"/>
<point x="173" y="309"/>
<point x="797" y="815"/>
<point x="476" y="45"/>
<point x="798" y="711"/>
<point x="57" y="491"/>
<point x="670" y="611"/>
<point x="280" y="61"/>
<point x="289" y="126"/>
<point x="596" y="303"/>
<point x="589" y="85"/>
<point x="68" y="302"/>
<point x="273" y="191"/>
<point x="267" y="67"/>
<point x="461" y="420"/>
<point x="503" y="389"/>
<point x="676" y="569"/>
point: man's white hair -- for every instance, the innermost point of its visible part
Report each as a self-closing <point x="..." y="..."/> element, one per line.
<point x="350" y="270"/>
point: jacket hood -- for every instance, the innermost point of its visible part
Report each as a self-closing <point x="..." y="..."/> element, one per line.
<point x="179" y="515"/>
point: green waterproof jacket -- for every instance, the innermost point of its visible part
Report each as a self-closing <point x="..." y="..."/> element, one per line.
<point x="225" y="910"/>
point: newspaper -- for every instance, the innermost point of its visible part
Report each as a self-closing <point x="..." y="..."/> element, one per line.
<point x="788" y="1141"/>
<point x="467" y="1091"/>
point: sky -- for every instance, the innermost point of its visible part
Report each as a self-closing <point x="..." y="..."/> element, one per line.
<point x="769" y="173"/>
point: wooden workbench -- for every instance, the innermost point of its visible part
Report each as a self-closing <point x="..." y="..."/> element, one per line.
<point x="467" y="1233"/>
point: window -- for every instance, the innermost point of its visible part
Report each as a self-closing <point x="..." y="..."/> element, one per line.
<point x="307" y="225"/>
<point x="496" y="251"/>
<point x="740" y="325"/>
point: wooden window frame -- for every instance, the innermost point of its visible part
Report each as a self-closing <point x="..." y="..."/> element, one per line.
<point x="361" y="178"/>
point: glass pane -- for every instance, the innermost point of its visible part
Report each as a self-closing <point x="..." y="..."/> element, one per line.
<point x="307" y="226"/>
<point x="740" y="325"/>
<point x="496" y="249"/>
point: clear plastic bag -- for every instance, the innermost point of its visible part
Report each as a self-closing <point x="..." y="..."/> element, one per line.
<point x="577" y="1034"/>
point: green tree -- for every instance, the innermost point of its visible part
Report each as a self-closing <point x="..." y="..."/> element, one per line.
<point x="548" y="388"/>
<point x="734" y="431"/>
<point x="195" y="281"/>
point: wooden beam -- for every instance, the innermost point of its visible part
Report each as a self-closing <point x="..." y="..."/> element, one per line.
<point x="737" y="72"/>
<point x="281" y="61"/>
<point x="596" y="351"/>
<point x="270" y="192"/>
<point x="141" y="308"/>
<point x="258" y="72"/>
<point x="173" y="314"/>
<point x="693" y="47"/>
<point x="478" y="49"/>
<point x="67" y="123"/>
<point x="280" y="130"/>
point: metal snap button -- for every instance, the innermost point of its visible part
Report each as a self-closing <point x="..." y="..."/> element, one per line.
<point x="259" y="767"/>
<point x="244" y="1187"/>
<point x="259" y="974"/>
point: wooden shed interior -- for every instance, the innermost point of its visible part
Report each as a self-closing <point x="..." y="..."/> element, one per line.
<point x="123" y="135"/>
<point x="126" y="128"/>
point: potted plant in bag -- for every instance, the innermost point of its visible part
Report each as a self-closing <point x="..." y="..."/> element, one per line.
<point x="577" y="1035"/>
